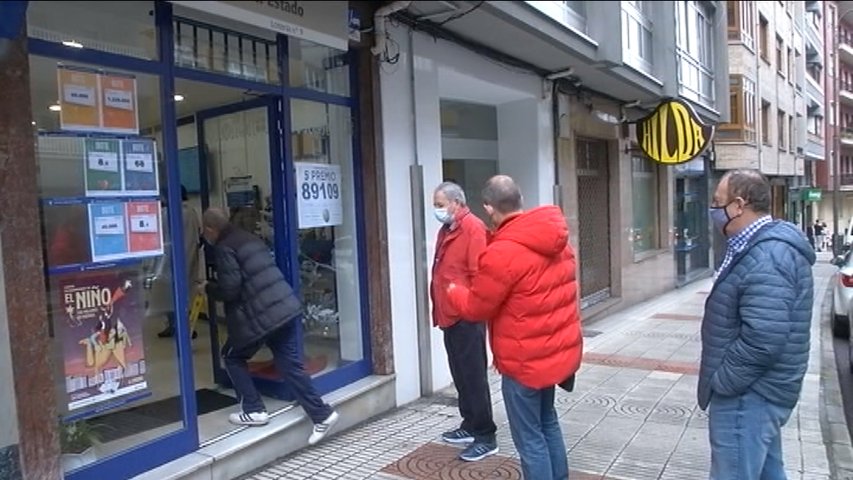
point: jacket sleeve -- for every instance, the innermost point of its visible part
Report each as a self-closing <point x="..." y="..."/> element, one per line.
<point x="229" y="279"/>
<point x="489" y="288"/>
<point x="476" y="247"/>
<point x="765" y="311"/>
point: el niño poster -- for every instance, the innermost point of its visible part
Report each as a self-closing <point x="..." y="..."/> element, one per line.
<point x="99" y="321"/>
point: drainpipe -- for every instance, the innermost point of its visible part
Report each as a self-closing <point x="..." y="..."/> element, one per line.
<point x="379" y="19"/>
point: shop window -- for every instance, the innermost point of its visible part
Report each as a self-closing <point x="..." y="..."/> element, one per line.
<point x="107" y="250"/>
<point x="637" y="34"/>
<point x="328" y="243"/>
<point x="644" y="187"/>
<point x="318" y="67"/>
<point x="123" y="28"/>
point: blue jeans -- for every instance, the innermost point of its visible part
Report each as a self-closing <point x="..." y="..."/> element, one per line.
<point x="282" y="343"/>
<point x="535" y="430"/>
<point x="746" y="437"/>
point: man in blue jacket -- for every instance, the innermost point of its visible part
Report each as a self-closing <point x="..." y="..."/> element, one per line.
<point x="755" y="331"/>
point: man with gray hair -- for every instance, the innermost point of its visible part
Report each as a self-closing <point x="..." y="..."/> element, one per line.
<point x="260" y="309"/>
<point x="461" y="240"/>
<point x="755" y="331"/>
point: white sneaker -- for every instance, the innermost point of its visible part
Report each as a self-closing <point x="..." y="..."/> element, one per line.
<point x="322" y="428"/>
<point x="253" y="418"/>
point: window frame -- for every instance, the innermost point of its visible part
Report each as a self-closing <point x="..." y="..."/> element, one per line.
<point x="651" y="170"/>
<point x="742" y="101"/>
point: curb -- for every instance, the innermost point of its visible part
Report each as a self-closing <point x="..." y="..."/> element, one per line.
<point x="836" y="437"/>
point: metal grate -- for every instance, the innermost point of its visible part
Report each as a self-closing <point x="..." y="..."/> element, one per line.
<point x="594" y="221"/>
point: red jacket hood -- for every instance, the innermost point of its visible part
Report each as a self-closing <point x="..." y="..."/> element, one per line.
<point x="542" y="229"/>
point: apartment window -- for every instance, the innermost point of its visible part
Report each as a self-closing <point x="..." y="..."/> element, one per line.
<point x="569" y="13"/>
<point x="637" y="34"/>
<point x="791" y="139"/>
<point x="814" y="71"/>
<point x="790" y="65"/>
<point x="814" y="125"/>
<point x="764" y="39"/>
<point x="779" y="58"/>
<point x="765" y="122"/>
<point x="780" y="129"/>
<point x="741" y="127"/>
<point x="644" y="188"/>
<point x="741" y="25"/>
<point x="695" y="67"/>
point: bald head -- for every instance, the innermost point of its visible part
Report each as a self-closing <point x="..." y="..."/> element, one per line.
<point x="214" y="222"/>
<point x="502" y="194"/>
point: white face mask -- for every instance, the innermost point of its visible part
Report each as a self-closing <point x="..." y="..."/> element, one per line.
<point x="442" y="215"/>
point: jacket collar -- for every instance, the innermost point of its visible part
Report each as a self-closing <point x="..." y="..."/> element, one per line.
<point x="756" y="237"/>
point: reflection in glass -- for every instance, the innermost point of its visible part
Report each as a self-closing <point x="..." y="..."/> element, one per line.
<point x="318" y="67"/>
<point x="322" y="153"/>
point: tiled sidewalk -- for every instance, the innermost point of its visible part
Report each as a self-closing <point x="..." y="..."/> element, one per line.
<point x="633" y="414"/>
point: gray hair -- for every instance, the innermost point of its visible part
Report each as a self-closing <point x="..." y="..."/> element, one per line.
<point x="215" y="218"/>
<point x="453" y="192"/>
<point x="751" y="186"/>
<point x="502" y="194"/>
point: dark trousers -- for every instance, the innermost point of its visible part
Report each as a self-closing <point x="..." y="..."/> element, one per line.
<point x="282" y="343"/>
<point x="465" y="343"/>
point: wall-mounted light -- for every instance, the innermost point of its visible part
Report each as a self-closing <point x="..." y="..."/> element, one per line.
<point x="178" y="97"/>
<point x="55" y="107"/>
<point x="72" y="44"/>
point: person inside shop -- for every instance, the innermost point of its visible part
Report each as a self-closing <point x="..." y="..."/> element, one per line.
<point x="192" y="258"/>
<point x="261" y="308"/>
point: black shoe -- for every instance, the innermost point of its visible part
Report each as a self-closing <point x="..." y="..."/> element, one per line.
<point x="457" y="436"/>
<point x="195" y="334"/>
<point x="478" y="451"/>
<point x="168" y="332"/>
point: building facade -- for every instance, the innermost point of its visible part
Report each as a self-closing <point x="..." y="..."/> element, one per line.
<point x="776" y="106"/>
<point x="836" y="178"/>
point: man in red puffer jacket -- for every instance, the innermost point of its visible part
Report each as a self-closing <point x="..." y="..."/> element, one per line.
<point x="526" y="291"/>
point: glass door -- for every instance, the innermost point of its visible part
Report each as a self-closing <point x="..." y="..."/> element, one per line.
<point x="241" y="172"/>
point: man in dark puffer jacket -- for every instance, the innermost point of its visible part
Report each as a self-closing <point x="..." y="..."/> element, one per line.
<point x="755" y="332"/>
<point x="260" y="308"/>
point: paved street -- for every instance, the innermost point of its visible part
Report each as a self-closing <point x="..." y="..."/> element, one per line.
<point x="633" y="414"/>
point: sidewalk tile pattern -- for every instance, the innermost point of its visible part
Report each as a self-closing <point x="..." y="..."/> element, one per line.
<point x="632" y="416"/>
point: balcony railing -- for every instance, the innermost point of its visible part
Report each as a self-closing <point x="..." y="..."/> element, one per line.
<point x="846" y="179"/>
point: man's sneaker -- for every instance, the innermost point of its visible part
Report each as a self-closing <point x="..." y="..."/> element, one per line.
<point x="252" y="418"/>
<point x="478" y="451"/>
<point x="457" y="436"/>
<point x="322" y="428"/>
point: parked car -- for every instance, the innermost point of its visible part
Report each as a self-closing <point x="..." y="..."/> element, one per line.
<point x="842" y="295"/>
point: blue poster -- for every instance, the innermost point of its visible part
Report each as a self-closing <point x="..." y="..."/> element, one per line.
<point x="140" y="167"/>
<point x="109" y="235"/>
